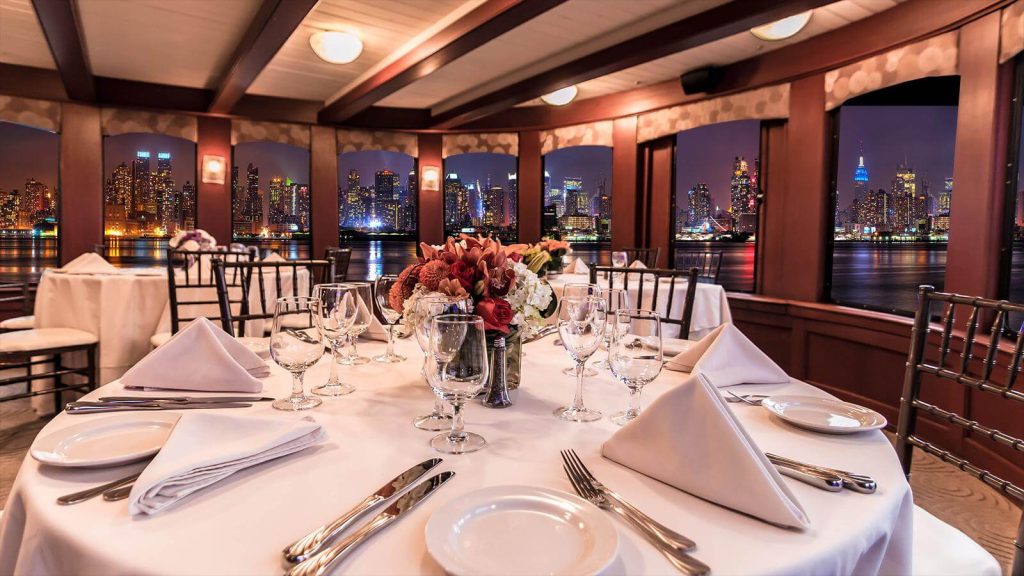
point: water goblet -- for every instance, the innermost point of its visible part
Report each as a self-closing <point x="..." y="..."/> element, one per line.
<point x="635" y="355"/>
<point x="620" y="259"/>
<point x="581" y="325"/>
<point x="335" y="311"/>
<point x="360" y="325"/>
<point x="457" y="370"/>
<point x="296" y="345"/>
<point x="389" y="314"/>
<point x="574" y="289"/>
<point x="427" y="308"/>
<point x="617" y="300"/>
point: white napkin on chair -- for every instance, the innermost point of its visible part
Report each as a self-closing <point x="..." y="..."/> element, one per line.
<point x="205" y="448"/>
<point x="89" y="263"/>
<point x="637" y="264"/>
<point x="690" y="439"/>
<point x="578" y="266"/>
<point x="200" y="357"/>
<point x="727" y="358"/>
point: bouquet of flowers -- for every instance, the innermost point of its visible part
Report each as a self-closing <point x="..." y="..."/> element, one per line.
<point x="545" y="256"/>
<point x="192" y="240"/>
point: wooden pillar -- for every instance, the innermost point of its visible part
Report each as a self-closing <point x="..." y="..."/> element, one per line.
<point x="431" y="207"/>
<point x="625" y="192"/>
<point x="656" y="195"/>
<point x="769" y="278"/>
<point x="530" y="187"/>
<point x="213" y="201"/>
<point x="323" y="188"/>
<point x="81" y="181"/>
<point x="978" y="205"/>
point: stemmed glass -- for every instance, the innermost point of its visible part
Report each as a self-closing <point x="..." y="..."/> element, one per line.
<point x="617" y="300"/>
<point x="295" y="345"/>
<point x="335" y="311"/>
<point x="427" y="308"/>
<point x="635" y="355"/>
<point x="581" y="325"/>
<point x="391" y="316"/>
<point x="457" y="370"/>
<point x="360" y="325"/>
<point x="580" y="289"/>
<point x="620" y="259"/>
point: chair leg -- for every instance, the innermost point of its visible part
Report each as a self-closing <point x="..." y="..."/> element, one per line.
<point x="93" y="368"/>
<point x="58" y="384"/>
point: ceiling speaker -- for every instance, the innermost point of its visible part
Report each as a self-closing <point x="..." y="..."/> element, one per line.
<point x="700" y="80"/>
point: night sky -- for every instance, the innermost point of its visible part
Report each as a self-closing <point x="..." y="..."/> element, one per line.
<point x="478" y="166"/>
<point x="27" y="153"/>
<point x="122" y="148"/>
<point x="592" y="163"/>
<point x="705" y="154"/>
<point x="273" y="159"/>
<point x="370" y="161"/>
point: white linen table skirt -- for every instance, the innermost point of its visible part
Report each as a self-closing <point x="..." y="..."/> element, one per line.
<point x="240" y="525"/>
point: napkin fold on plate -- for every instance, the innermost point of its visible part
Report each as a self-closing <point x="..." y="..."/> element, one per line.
<point x="727" y="357"/>
<point x="637" y="264"/>
<point x="205" y="448"/>
<point x="201" y="357"/>
<point x="690" y="439"/>
<point x="578" y="266"/>
<point x="89" y="263"/>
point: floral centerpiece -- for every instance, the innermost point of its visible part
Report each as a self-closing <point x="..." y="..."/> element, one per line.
<point x="546" y="256"/>
<point x="192" y="240"/>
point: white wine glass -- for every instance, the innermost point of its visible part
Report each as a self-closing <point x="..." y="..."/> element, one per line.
<point x="390" y="316"/>
<point x="360" y="325"/>
<point x="580" y="289"/>
<point x="296" y="345"/>
<point x="635" y="355"/>
<point x="335" y="311"/>
<point x="457" y="370"/>
<point x="581" y="326"/>
<point x="617" y="300"/>
<point x="429" y="307"/>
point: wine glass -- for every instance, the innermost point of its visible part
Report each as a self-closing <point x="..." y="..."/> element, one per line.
<point x="335" y="311"/>
<point x="581" y="325"/>
<point x="617" y="300"/>
<point x="390" y="316"/>
<point x="620" y="259"/>
<point x="360" y="325"/>
<point x="427" y="308"/>
<point x="296" y="345"/>
<point x="457" y="370"/>
<point x="635" y="355"/>
<point x="580" y="289"/>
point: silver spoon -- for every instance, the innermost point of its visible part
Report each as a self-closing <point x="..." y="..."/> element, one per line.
<point x="84" y="495"/>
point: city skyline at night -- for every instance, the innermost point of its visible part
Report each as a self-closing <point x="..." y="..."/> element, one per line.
<point x="149" y="185"/>
<point x="270" y="191"/>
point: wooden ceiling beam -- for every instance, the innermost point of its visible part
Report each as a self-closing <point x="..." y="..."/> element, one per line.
<point x="274" y="23"/>
<point x="59" y="20"/>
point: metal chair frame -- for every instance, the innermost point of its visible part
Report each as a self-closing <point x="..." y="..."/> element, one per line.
<point x="657" y="274"/>
<point x="27" y="360"/>
<point x="708" y="263"/>
<point x="17" y="292"/>
<point x="197" y="274"/>
<point x="342" y="258"/>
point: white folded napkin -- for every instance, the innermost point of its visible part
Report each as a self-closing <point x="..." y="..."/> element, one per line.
<point x="274" y="257"/>
<point x="205" y="448"/>
<point x="89" y="263"/>
<point x="727" y="358"/>
<point x="690" y="439"/>
<point x="578" y="266"/>
<point x="200" y="357"/>
<point x="637" y="264"/>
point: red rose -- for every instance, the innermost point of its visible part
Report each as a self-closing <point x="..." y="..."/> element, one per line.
<point x="464" y="273"/>
<point x="497" y="314"/>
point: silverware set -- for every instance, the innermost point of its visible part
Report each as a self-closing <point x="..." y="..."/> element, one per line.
<point x="144" y="404"/>
<point x="752" y="399"/>
<point x="112" y="491"/>
<point x="821" y="476"/>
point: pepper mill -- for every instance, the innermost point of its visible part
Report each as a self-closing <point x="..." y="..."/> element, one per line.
<point x="497" y="393"/>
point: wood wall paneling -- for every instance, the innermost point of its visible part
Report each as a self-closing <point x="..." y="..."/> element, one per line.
<point x="768" y="265"/>
<point x="431" y="206"/>
<point x="625" y="189"/>
<point x="657" y="197"/>
<point x="213" y="201"/>
<point x="530" y="187"/>
<point x="81" y="181"/>
<point x="324" y="188"/>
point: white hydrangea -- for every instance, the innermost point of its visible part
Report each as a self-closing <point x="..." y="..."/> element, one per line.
<point x="528" y="297"/>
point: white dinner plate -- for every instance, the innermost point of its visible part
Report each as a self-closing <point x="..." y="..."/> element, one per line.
<point x="521" y="530"/>
<point x="259" y="346"/>
<point x="826" y="415"/>
<point x="106" y="441"/>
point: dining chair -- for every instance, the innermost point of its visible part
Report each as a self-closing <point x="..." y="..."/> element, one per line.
<point x="251" y="302"/>
<point x="649" y="256"/>
<point x="40" y="352"/>
<point x="992" y="374"/>
<point x="708" y="263"/>
<point x="342" y="257"/>
<point x="19" y="296"/>
<point x="660" y="279"/>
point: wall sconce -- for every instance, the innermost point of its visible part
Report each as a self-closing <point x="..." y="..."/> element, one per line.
<point x="431" y="181"/>
<point x="213" y="169"/>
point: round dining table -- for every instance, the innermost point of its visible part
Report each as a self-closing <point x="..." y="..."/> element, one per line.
<point x="241" y="524"/>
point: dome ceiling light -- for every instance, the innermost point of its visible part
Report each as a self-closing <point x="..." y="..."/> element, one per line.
<point x="782" y="29"/>
<point x="336" y="47"/>
<point x="560" y="97"/>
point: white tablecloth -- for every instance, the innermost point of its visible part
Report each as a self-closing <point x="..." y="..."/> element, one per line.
<point x="240" y="525"/>
<point x="710" y="304"/>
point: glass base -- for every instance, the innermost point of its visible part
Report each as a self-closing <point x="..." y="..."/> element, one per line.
<point x="621" y="418"/>
<point x="356" y="361"/>
<point x="581" y="415"/>
<point x="469" y="442"/>
<point x="295" y="404"/>
<point x="389" y="358"/>
<point x="339" y="389"/>
<point x="571" y="371"/>
<point x="433" y="422"/>
<point x="601" y="365"/>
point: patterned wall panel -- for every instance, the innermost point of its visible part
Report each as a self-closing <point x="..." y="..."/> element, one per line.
<point x="497" y="142"/>
<point x="593" y="134"/>
<point x="28" y="112"/>
<point x="253" y="131"/>
<point x="1011" y="31"/>
<point x="936" y="56"/>
<point x="759" y="104"/>
<point x="120" y="121"/>
<point x="359" y="140"/>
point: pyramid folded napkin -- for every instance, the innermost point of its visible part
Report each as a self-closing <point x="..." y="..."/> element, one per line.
<point x="205" y="448"/>
<point x="203" y="358"/>
<point x="578" y="266"/>
<point x="690" y="439"/>
<point x="89" y="263"/>
<point x="274" y="257"/>
<point x="727" y="358"/>
<point x="637" y="264"/>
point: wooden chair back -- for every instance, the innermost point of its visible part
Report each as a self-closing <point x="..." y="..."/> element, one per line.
<point x="342" y="258"/>
<point x="708" y="263"/>
<point x="661" y="279"/>
<point x="191" y="287"/>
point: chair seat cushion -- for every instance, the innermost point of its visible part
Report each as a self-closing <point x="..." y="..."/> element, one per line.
<point x="159" y="339"/>
<point x="942" y="550"/>
<point x="44" y="339"/>
<point x="18" y="323"/>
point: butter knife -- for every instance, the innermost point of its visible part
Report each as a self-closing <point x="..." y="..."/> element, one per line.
<point x="82" y="407"/>
<point x="320" y="564"/>
<point x="313" y="542"/>
<point x="185" y="399"/>
<point x="826" y="482"/>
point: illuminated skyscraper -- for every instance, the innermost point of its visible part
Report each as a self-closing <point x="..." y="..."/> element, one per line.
<point x="945" y="197"/>
<point x="903" y="198"/>
<point x="699" y="205"/>
<point x="141" y="185"/>
<point x="188" y="206"/>
<point x="742" y="197"/>
<point x="253" y="197"/>
<point x="512" y="200"/>
<point x="860" y="179"/>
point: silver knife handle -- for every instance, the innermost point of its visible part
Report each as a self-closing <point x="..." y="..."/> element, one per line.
<point x="666" y="534"/>
<point x="311" y="543"/>
<point x="680" y="559"/>
<point x="87" y="409"/>
<point x="822" y="481"/>
<point x="319" y="564"/>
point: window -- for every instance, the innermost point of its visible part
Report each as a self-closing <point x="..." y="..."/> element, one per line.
<point x="578" y="198"/>
<point x="893" y="186"/>
<point x="480" y="195"/>
<point x="717" y="196"/>
<point x="149" y="194"/>
<point x="270" y="198"/>
<point x="29" y="198"/>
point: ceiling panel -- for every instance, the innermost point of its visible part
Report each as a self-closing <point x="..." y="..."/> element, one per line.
<point x="177" y="42"/>
<point x="386" y="27"/>
<point x="21" y="37"/>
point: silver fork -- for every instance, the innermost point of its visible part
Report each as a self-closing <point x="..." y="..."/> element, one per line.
<point x="752" y="399"/>
<point x="681" y="560"/>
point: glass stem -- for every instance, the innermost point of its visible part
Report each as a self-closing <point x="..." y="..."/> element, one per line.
<point x="353" y="352"/>
<point x="391" y="341"/>
<point x="438" y="407"/>
<point x="634" y="400"/>
<point x="457" y="434"/>
<point x="577" y="401"/>
<point x="335" y="358"/>
<point x="297" y="391"/>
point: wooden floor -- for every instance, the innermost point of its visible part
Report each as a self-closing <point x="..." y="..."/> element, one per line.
<point x="949" y="494"/>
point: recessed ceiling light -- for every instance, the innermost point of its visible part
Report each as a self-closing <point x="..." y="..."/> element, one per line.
<point x="560" y="97"/>
<point x="782" y="29"/>
<point x="336" y="47"/>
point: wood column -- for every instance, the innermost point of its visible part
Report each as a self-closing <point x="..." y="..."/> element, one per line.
<point x="431" y="207"/>
<point x="323" y="188"/>
<point x="978" y="205"/>
<point x="530" y="187"/>
<point x="656" y="195"/>
<point x="213" y="201"/>
<point x="769" y="278"/>
<point x="625" y="191"/>
<point x="81" y="181"/>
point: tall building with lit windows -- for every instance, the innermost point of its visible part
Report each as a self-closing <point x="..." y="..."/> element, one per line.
<point x="742" y="197"/>
<point x="699" y="209"/>
<point x="512" y="200"/>
<point x="903" y="193"/>
<point x="141" y="189"/>
<point x="945" y="197"/>
<point x="860" y="179"/>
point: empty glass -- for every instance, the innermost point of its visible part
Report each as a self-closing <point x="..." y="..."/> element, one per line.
<point x="457" y="370"/>
<point x="390" y="316"/>
<point x="635" y="355"/>
<point x="579" y="289"/>
<point x="581" y="325"/>
<point x="360" y="325"/>
<point x="617" y="300"/>
<point x="620" y="259"/>
<point x="296" y="345"/>
<point x="335" y="310"/>
<point x="427" y="308"/>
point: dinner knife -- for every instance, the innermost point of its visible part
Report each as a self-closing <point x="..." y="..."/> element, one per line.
<point x="855" y="482"/>
<point x="313" y="542"/>
<point x="185" y="399"/>
<point x="826" y="482"/>
<point x="320" y="564"/>
<point x="82" y="407"/>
